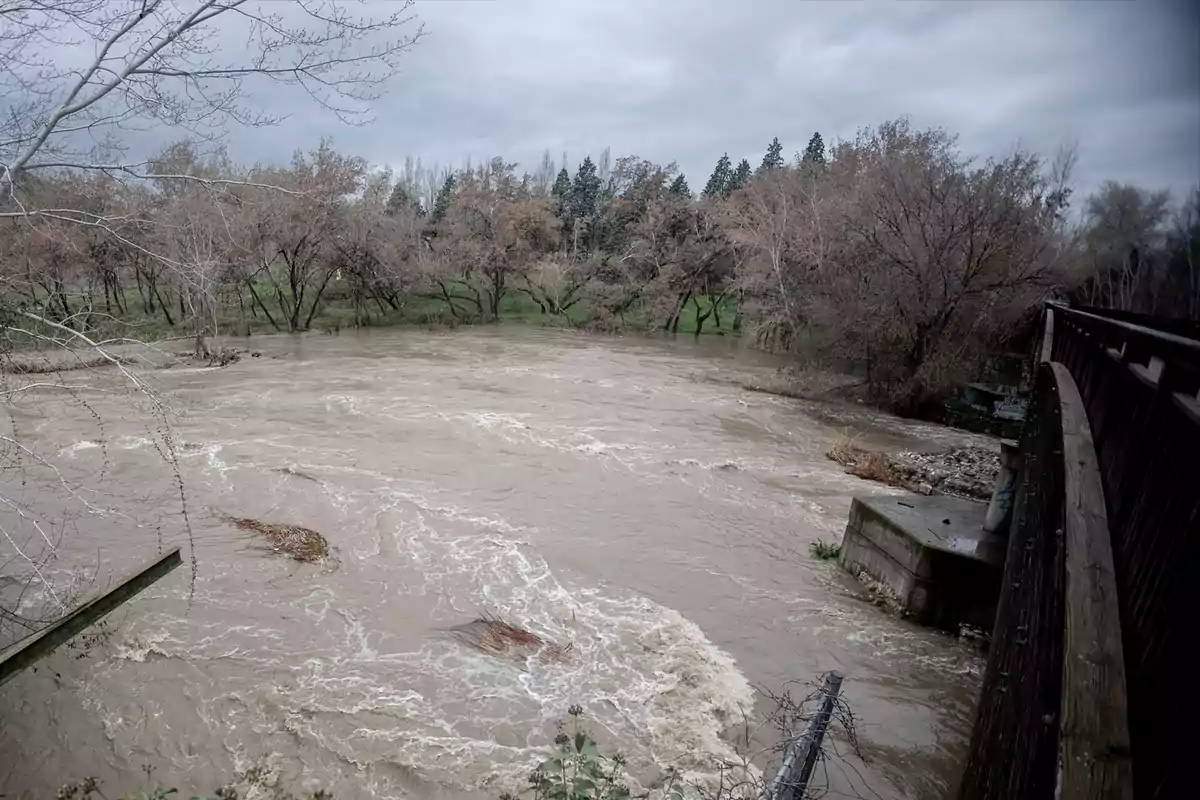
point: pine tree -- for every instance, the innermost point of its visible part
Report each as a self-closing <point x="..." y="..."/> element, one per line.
<point x="680" y="188"/>
<point x="585" y="191"/>
<point x="562" y="186"/>
<point x="441" y="203"/>
<point x="740" y="177"/>
<point x="559" y="194"/>
<point x="774" y="157"/>
<point x="399" y="199"/>
<point x="718" y="182"/>
<point x="814" y="154"/>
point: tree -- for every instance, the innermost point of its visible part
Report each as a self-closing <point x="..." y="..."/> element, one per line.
<point x="774" y="157"/>
<point x="583" y="201"/>
<point x="1124" y="239"/>
<point x="901" y="254"/>
<point x="445" y="196"/>
<point x="495" y="227"/>
<point x="814" y="151"/>
<point x="403" y="198"/>
<point x="293" y="236"/>
<point x="679" y="187"/>
<point x="947" y="254"/>
<point x="740" y="177"/>
<point x="718" y="182"/>
<point x="1181" y="286"/>
<point x="560" y="194"/>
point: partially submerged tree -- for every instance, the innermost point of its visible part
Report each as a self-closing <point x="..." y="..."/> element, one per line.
<point x="494" y="229"/>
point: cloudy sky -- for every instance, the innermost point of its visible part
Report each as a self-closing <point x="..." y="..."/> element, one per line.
<point x="687" y="80"/>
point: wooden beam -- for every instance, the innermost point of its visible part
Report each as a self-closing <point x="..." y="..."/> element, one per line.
<point x="1096" y="762"/>
<point x="28" y="652"/>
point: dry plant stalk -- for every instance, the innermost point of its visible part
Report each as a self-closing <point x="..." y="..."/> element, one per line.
<point x="864" y="463"/>
<point x="302" y="544"/>
<point x="490" y="634"/>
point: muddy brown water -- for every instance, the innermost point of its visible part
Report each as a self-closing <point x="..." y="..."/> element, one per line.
<point x="622" y="496"/>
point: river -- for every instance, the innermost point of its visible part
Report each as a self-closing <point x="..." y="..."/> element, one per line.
<point x="622" y="496"/>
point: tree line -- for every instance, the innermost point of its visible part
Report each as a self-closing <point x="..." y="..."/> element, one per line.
<point x="892" y="251"/>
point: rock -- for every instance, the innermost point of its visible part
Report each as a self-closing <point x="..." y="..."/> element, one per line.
<point x="967" y="471"/>
<point x="924" y="488"/>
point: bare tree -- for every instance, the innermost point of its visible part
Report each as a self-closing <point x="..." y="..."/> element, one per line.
<point x="495" y="227"/>
<point x="1125" y="234"/>
<point x="76" y="212"/>
<point x="294" y="233"/>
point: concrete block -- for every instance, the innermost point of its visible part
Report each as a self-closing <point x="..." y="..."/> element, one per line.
<point x="932" y="552"/>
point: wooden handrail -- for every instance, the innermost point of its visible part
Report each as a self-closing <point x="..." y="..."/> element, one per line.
<point x="24" y="654"/>
<point x="1164" y="345"/>
<point x="1094" y="736"/>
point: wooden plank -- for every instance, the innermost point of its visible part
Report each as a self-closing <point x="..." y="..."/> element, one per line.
<point x="24" y="654"/>
<point x="1096" y="762"/>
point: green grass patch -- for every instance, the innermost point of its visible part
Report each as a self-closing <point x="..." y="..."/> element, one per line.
<point x="825" y="551"/>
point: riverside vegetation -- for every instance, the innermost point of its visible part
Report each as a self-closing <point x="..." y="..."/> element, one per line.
<point x="891" y="255"/>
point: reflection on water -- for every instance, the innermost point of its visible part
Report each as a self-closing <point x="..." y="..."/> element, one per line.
<point x="602" y="493"/>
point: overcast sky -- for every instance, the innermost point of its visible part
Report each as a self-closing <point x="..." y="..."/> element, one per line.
<point x="687" y="80"/>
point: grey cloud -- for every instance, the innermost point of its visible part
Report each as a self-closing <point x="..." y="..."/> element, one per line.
<point x="686" y="80"/>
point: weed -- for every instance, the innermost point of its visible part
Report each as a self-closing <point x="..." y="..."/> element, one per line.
<point x="576" y="770"/>
<point x="825" y="551"/>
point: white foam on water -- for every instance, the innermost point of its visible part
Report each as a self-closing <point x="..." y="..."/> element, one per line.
<point x="651" y="682"/>
<point x="134" y="442"/>
<point x="71" y="450"/>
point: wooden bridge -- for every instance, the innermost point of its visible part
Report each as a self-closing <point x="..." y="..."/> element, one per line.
<point x="1090" y="687"/>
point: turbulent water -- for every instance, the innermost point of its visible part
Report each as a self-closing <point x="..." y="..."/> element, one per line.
<point x="622" y="497"/>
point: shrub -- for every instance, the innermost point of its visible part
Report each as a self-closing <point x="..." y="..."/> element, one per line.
<point x="825" y="551"/>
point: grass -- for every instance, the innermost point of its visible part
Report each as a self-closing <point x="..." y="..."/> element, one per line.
<point x="825" y="551"/>
<point x="336" y="312"/>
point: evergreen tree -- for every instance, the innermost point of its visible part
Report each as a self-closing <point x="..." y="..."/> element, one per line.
<point x="814" y="154"/>
<point x="718" y="182"/>
<point x="680" y="188"/>
<point x="399" y="199"/>
<point x="441" y="203"/>
<point x="562" y="186"/>
<point x="740" y="177"/>
<point x="774" y="157"/>
<point x="585" y="191"/>
<point x="560" y="193"/>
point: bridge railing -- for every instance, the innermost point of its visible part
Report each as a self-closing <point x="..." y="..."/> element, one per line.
<point x="1141" y="388"/>
<point x="1086" y="687"/>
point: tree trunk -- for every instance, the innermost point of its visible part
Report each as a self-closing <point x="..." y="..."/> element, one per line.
<point x="262" y="305"/>
<point x="166" y="310"/>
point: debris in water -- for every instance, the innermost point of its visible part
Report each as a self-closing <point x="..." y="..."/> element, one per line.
<point x="295" y="473"/>
<point x="490" y="634"/>
<point x="302" y="544"/>
<point x="882" y="595"/>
